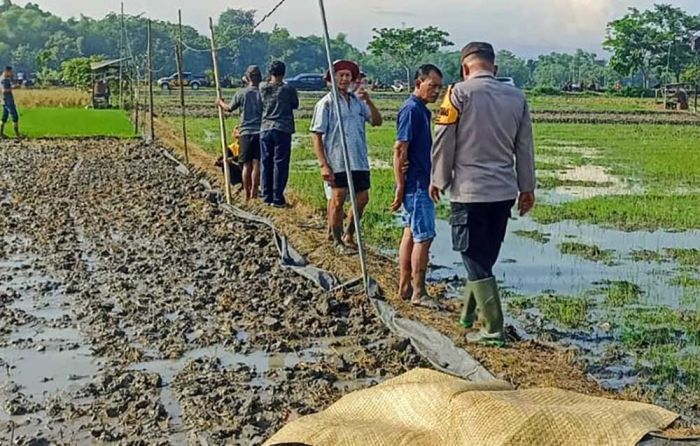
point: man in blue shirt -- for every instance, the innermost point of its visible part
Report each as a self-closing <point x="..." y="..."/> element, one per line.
<point x="8" y="103"/>
<point x="413" y="146"/>
<point x="357" y="109"/>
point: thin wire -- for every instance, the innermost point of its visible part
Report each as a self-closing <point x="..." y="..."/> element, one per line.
<point x="242" y="36"/>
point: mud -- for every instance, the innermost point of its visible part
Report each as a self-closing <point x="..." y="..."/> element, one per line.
<point x="133" y="310"/>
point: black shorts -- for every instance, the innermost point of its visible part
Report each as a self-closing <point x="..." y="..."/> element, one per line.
<point x="360" y="179"/>
<point x="250" y="148"/>
<point x="478" y="231"/>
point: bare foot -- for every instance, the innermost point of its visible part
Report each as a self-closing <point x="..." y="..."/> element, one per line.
<point x="405" y="293"/>
<point x="349" y="241"/>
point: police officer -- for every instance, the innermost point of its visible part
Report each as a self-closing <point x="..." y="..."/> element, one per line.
<point x="483" y="152"/>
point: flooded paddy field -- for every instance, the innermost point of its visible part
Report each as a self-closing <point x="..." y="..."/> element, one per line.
<point x="133" y="309"/>
<point x="618" y="280"/>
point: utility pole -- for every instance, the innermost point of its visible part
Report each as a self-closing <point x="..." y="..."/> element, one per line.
<point x="151" y="133"/>
<point x="180" y="63"/>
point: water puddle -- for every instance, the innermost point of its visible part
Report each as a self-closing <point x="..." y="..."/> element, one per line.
<point x="45" y="354"/>
<point x="530" y="267"/>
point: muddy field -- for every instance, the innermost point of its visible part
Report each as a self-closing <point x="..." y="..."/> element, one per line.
<point x="133" y="309"/>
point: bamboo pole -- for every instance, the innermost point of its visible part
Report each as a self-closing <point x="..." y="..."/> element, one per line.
<point x="222" y="123"/>
<point x="121" y="57"/>
<point x="346" y="157"/>
<point x="179" y="60"/>
<point x="151" y="133"/>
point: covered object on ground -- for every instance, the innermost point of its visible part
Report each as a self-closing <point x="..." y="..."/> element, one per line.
<point x="427" y="408"/>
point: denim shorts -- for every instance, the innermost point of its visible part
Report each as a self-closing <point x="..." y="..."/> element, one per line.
<point x="419" y="215"/>
<point x="9" y="110"/>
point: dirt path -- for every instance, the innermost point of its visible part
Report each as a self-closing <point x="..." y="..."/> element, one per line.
<point x="132" y="309"/>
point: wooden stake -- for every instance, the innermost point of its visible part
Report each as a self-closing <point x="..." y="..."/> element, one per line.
<point x="222" y="123"/>
<point x="179" y="60"/>
<point x="121" y="58"/>
<point x="152" y="133"/>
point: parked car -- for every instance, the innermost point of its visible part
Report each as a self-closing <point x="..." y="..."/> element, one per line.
<point x="506" y="80"/>
<point x="195" y="82"/>
<point x="308" y="82"/>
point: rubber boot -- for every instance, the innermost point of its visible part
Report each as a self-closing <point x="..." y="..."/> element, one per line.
<point x="489" y="304"/>
<point x="468" y="315"/>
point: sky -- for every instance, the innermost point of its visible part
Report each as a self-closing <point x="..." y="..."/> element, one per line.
<point x="526" y="27"/>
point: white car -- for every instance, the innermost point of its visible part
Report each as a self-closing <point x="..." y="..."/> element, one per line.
<point x="506" y="80"/>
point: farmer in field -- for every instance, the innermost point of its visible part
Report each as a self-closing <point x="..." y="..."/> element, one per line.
<point x="250" y="103"/>
<point x="8" y="103"/>
<point x="356" y="110"/>
<point x="414" y="141"/>
<point x="279" y="102"/>
<point x="483" y="152"/>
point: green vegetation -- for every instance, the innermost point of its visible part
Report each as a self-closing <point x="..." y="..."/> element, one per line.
<point x="686" y="281"/>
<point x="664" y="340"/>
<point x="540" y="237"/>
<point x="569" y="311"/>
<point x="621" y="293"/>
<point x="629" y="213"/>
<point x="645" y="255"/>
<point x="646" y="154"/>
<point x="551" y="182"/>
<point x="592" y="253"/>
<point x="78" y="122"/>
<point x="686" y="257"/>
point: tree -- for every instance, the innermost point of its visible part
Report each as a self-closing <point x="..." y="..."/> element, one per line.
<point x="77" y="71"/>
<point x="408" y="46"/>
<point x="652" y="42"/>
<point x="510" y="65"/>
<point x="633" y="44"/>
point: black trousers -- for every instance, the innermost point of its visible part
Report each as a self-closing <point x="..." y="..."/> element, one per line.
<point x="478" y="230"/>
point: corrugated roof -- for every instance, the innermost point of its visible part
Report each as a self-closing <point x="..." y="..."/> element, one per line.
<point x="97" y="66"/>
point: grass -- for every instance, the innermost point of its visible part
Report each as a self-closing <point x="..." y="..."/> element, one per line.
<point x="569" y="311"/>
<point x="685" y="257"/>
<point x="641" y="153"/>
<point x="551" y="182"/>
<point x="646" y="255"/>
<point x="663" y="160"/>
<point x="74" y="122"/>
<point x="628" y="212"/>
<point x="538" y="236"/>
<point x="621" y="293"/>
<point x="685" y="281"/>
<point x="592" y="253"/>
<point x="589" y="102"/>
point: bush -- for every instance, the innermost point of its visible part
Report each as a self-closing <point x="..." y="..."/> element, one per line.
<point x="77" y="73"/>
<point x="546" y="91"/>
<point x="633" y="92"/>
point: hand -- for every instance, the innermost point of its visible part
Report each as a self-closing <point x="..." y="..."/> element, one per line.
<point x="404" y="167"/>
<point x="435" y="193"/>
<point x="220" y="103"/>
<point x="526" y="201"/>
<point x="236" y="133"/>
<point x="398" y="200"/>
<point x="363" y="95"/>
<point x="328" y="175"/>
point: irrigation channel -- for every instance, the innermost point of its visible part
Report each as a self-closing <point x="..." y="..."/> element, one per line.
<point x="133" y="309"/>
